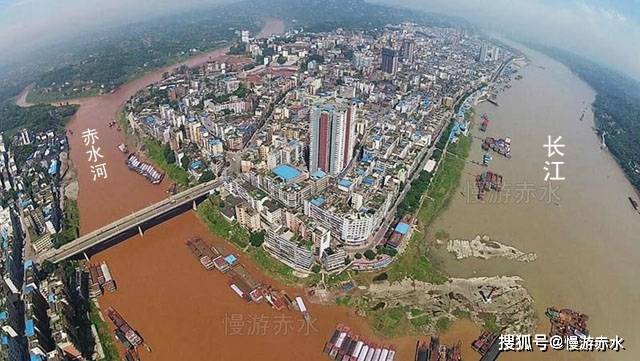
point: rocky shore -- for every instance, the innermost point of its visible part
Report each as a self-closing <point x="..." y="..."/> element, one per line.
<point x="500" y="300"/>
<point x="485" y="248"/>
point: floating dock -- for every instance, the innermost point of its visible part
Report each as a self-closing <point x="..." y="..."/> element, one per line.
<point x="500" y="146"/>
<point x="145" y="169"/>
<point x="343" y="345"/>
<point x="100" y="280"/>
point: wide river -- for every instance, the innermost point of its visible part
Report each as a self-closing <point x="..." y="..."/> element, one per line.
<point x="584" y="230"/>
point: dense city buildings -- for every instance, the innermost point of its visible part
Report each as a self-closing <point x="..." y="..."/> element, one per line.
<point x="316" y="135"/>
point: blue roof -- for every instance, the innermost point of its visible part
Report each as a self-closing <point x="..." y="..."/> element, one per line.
<point x="368" y="181"/>
<point x="29" y="329"/>
<point x="53" y="168"/>
<point x="318" y="174"/>
<point x="28" y="264"/>
<point x="3" y="315"/>
<point x="345" y="182"/>
<point x="5" y="340"/>
<point x="231" y="259"/>
<point x="402" y="228"/>
<point x="286" y="172"/>
<point x="34" y="357"/>
<point x="318" y="201"/>
<point x="196" y="164"/>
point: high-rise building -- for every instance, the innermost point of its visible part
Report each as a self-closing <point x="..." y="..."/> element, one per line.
<point x="332" y="137"/>
<point x="408" y="48"/>
<point x="389" y="61"/>
<point x="482" y="57"/>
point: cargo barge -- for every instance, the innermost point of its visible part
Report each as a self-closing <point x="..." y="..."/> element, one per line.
<point x="432" y="350"/>
<point x="485" y="123"/>
<point x="500" y="146"/>
<point x="202" y="252"/>
<point x="567" y="322"/>
<point x="488" y="181"/>
<point x="144" y="169"/>
<point x="124" y="332"/>
<point x="343" y="345"/>
<point x="488" y="346"/>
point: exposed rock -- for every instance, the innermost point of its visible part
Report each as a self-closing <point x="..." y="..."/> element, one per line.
<point x="503" y="297"/>
<point x="485" y="248"/>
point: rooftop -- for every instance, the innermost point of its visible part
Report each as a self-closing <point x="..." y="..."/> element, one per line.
<point x="286" y="172"/>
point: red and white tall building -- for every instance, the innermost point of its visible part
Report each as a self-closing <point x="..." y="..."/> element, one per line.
<point x="333" y="136"/>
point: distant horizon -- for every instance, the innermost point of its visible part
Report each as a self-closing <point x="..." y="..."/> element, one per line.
<point x="604" y="31"/>
<point x="28" y="27"/>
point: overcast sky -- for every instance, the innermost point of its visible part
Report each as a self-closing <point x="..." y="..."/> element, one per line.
<point x="605" y="30"/>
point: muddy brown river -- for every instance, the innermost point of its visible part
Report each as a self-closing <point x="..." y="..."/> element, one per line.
<point x="584" y="230"/>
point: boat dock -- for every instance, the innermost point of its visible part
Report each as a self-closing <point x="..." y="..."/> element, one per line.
<point x="343" y="345"/>
<point x="100" y="279"/>
<point x="241" y="282"/>
<point x="500" y="146"/>
<point x="145" y="169"/>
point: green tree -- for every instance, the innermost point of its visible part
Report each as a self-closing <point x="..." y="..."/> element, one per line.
<point x="184" y="162"/>
<point x="369" y="254"/>
<point x="315" y="268"/>
<point x="281" y="59"/>
<point x="207" y="176"/>
<point x="256" y="238"/>
<point x="169" y="155"/>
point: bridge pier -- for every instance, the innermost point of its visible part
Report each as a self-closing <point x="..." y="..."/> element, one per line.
<point x="140" y="231"/>
<point x="195" y="206"/>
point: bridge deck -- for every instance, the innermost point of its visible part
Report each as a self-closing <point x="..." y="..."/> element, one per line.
<point x="126" y="223"/>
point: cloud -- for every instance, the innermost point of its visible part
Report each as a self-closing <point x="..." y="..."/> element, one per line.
<point x="592" y="29"/>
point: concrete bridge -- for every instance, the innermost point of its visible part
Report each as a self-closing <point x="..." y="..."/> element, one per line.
<point x="130" y="225"/>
